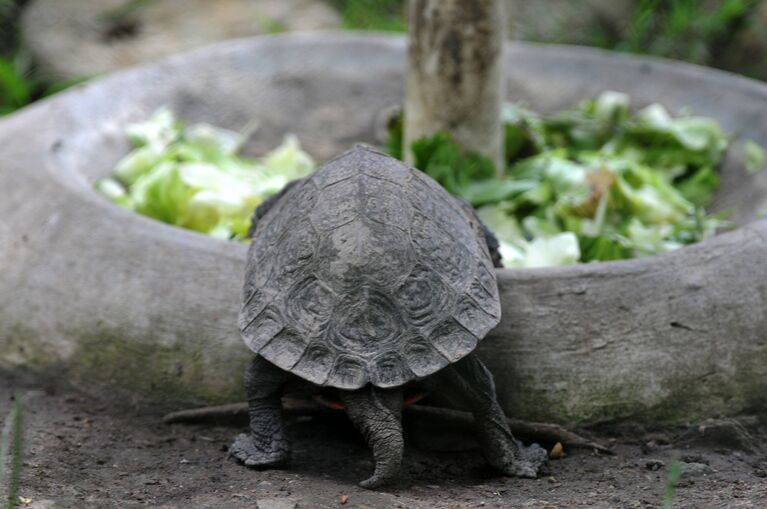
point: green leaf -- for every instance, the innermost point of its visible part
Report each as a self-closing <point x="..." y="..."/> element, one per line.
<point x="602" y="248"/>
<point x="288" y="160"/>
<point x="495" y="190"/>
<point x="395" y="130"/>
<point x="159" y="131"/>
<point x="557" y="250"/>
<point x="501" y="222"/>
<point x="15" y="90"/>
<point x="700" y="187"/>
<point x="442" y="158"/>
<point x="114" y="190"/>
<point x="137" y="163"/>
<point x="192" y="177"/>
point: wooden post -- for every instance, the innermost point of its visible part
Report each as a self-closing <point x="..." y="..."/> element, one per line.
<point x="455" y="78"/>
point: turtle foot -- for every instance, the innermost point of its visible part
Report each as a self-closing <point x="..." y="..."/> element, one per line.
<point x="249" y="455"/>
<point x="375" y="481"/>
<point x="527" y="462"/>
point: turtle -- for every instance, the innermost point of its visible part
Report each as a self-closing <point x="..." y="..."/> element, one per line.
<point x="365" y="278"/>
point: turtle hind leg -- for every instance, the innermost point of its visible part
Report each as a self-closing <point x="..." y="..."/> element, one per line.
<point x="377" y="414"/>
<point x="469" y="384"/>
<point x="266" y="445"/>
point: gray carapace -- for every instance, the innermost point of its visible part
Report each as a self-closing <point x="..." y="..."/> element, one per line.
<point x="365" y="277"/>
<point x="367" y="272"/>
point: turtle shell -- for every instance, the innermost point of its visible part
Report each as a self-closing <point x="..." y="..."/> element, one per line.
<point x="368" y="271"/>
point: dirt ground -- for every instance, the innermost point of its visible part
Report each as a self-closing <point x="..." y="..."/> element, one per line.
<point x="82" y="453"/>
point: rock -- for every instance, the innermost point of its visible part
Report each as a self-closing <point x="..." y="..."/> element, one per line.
<point x="729" y="433"/>
<point x="654" y="464"/>
<point x="693" y="470"/>
<point x="82" y="38"/>
<point x="694" y="458"/>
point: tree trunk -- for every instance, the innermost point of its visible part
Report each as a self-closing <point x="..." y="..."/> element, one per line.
<point x="454" y="80"/>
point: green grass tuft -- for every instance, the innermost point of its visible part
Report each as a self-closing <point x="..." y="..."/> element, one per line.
<point x="382" y="15"/>
<point x="13" y="429"/>
<point x="681" y="29"/>
<point x="674" y="474"/>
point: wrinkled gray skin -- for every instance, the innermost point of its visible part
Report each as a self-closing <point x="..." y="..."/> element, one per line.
<point x="376" y="412"/>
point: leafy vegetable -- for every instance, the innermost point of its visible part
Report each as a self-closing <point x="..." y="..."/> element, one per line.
<point x="595" y="182"/>
<point x="443" y="158"/>
<point x="192" y="176"/>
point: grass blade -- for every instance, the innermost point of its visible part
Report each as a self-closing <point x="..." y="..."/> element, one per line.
<point x="11" y="456"/>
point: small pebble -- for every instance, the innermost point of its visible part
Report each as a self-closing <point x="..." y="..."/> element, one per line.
<point x="557" y="452"/>
<point x="690" y="470"/>
<point x="654" y="464"/>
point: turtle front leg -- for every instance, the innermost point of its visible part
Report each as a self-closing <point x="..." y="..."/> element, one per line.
<point x="266" y="445"/>
<point x="469" y="384"/>
<point x="377" y="414"/>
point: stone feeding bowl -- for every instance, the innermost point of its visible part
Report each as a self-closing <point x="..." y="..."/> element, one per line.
<point x="122" y="305"/>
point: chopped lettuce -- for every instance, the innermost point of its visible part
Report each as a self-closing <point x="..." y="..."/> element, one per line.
<point x="548" y="247"/>
<point x="443" y="158"/>
<point x="593" y="183"/>
<point x="193" y="176"/>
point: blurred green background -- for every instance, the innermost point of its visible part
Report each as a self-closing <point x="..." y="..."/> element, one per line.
<point x="727" y="34"/>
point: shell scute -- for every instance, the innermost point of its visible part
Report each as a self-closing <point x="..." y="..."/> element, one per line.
<point x="389" y="370"/>
<point x="260" y="330"/>
<point x="385" y="168"/>
<point x="383" y="204"/>
<point x="452" y="340"/>
<point x="424" y="297"/>
<point x="473" y="317"/>
<point x="316" y="363"/>
<point x="386" y="255"/>
<point x="422" y="358"/>
<point x="285" y="348"/>
<point x="348" y="372"/>
<point x="366" y="323"/>
<point x="309" y="305"/>
<point x="336" y="206"/>
<point x="437" y="250"/>
<point x="255" y="300"/>
<point x="484" y="292"/>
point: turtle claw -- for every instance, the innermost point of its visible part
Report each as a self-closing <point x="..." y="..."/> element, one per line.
<point x="523" y="469"/>
<point x="527" y="462"/>
<point x="245" y="451"/>
<point x="377" y="480"/>
<point x="371" y="483"/>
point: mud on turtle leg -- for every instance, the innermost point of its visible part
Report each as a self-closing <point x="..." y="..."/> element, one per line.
<point x="468" y="384"/>
<point x="266" y="445"/>
<point x="377" y="413"/>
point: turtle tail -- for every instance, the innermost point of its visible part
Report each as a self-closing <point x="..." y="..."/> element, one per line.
<point x="377" y="413"/>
